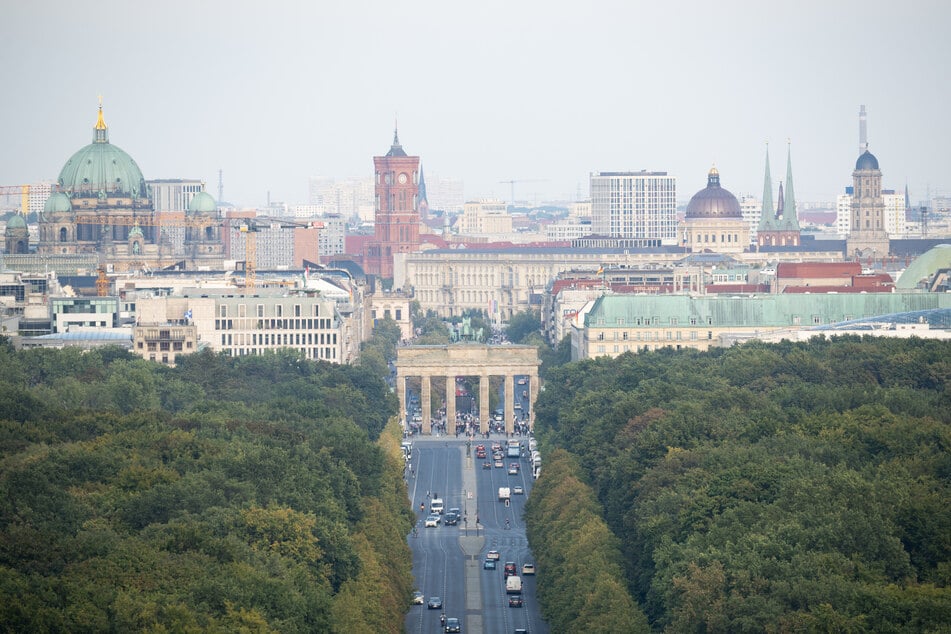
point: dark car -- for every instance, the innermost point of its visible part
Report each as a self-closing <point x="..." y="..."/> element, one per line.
<point x="509" y="568"/>
<point x="453" y="625"/>
<point x="434" y="603"/>
<point x="488" y="564"/>
<point x="486" y="465"/>
<point x="451" y="519"/>
<point x="515" y="601"/>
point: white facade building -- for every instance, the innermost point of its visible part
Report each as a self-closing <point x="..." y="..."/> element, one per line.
<point x="843" y="215"/>
<point x="895" y="225"/>
<point x="640" y="207"/>
<point x="568" y="228"/>
<point x="751" y="208"/>
<point x="485" y="218"/>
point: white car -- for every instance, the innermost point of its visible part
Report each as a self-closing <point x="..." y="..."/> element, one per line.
<point x="517" y="490"/>
<point x="432" y="521"/>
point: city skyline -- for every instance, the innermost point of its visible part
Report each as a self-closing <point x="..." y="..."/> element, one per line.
<point x="533" y="92"/>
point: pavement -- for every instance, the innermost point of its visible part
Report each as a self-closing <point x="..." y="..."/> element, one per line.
<point x="471" y="545"/>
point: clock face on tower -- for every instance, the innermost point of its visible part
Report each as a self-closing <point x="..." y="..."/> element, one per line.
<point x="402" y="179"/>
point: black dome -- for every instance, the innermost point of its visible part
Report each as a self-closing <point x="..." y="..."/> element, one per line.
<point x="867" y="161"/>
<point x="713" y="201"/>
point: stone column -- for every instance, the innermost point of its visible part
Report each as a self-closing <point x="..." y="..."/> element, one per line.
<point x="425" y="401"/>
<point x="508" y="391"/>
<point x="533" y="387"/>
<point x="451" y="403"/>
<point x="484" y="408"/>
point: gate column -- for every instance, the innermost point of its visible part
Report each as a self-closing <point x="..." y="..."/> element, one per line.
<point x="425" y="398"/>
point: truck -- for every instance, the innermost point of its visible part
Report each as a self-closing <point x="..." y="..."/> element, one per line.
<point x="513" y="584"/>
<point x="504" y="494"/>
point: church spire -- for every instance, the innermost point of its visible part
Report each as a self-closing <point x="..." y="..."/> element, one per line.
<point x="780" y="203"/>
<point x="766" y="214"/>
<point x="100" y="132"/>
<point x="790" y="219"/>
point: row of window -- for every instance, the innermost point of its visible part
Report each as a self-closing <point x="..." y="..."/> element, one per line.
<point x="259" y="310"/>
<point x="278" y="339"/>
<point x="325" y="354"/>
<point x="274" y="324"/>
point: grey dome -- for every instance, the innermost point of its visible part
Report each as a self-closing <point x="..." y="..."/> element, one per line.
<point x="867" y="162"/>
<point x="713" y="201"/>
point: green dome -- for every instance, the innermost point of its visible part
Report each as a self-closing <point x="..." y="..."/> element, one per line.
<point x="202" y="203"/>
<point x="102" y="167"/>
<point x="58" y="202"/>
<point x="16" y="222"/>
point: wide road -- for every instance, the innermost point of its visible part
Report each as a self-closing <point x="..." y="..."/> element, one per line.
<point x="448" y="560"/>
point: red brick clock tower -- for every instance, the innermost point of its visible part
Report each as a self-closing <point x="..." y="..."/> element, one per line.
<point x="396" y="218"/>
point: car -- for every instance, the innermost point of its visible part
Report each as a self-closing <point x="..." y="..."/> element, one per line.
<point x="432" y="521"/>
<point x="486" y="465"/>
<point x="435" y="603"/>
<point x="509" y="568"/>
<point x="515" y="601"/>
<point x="521" y="630"/>
<point x="418" y="598"/>
<point x="453" y="625"/>
<point x="488" y="564"/>
<point x="451" y="519"/>
<point x="528" y="569"/>
<point x="499" y="464"/>
<point x="518" y="490"/>
<point x="493" y="554"/>
<point x="522" y="381"/>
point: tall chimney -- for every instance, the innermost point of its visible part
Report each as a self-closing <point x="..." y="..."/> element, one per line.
<point x="863" y="133"/>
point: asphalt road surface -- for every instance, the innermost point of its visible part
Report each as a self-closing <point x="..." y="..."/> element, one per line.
<point x="448" y="560"/>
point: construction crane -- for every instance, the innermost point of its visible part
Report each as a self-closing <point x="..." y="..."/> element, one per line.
<point x="511" y="182"/>
<point x="250" y="228"/>
<point x="23" y="190"/>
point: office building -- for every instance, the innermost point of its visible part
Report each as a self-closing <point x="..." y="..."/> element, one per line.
<point x="637" y="208"/>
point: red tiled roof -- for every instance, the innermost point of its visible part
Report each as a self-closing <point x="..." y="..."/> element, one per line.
<point x="817" y="269"/>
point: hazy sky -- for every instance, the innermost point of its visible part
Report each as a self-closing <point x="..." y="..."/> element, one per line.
<point x="275" y="92"/>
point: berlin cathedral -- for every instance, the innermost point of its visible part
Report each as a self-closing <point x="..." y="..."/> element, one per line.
<point x="102" y="205"/>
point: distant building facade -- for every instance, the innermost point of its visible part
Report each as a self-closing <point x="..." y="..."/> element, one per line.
<point x="616" y="324"/>
<point x="396" y="204"/>
<point x="639" y="208"/>
<point x="867" y="234"/>
<point x="485" y="217"/>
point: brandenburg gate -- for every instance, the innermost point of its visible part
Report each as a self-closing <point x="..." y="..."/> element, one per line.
<point x="473" y="360"/>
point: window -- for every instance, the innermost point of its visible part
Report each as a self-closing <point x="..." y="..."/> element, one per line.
<point x="259" y="310"/>
<point x="223" y="311"/>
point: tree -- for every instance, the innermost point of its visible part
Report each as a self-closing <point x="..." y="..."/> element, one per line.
<point x="522" y="324"/>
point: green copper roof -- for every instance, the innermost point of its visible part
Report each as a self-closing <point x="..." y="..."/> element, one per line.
<point x="660" y="311"/>
<point x="58" y="202"/>
<point x="202" y="203"/>
<point x="790" y="220"/>
<point x="925" y="266"/>
<point x="101" y="167"/>
<point x="16" y="222"/>
<point x="766" y="217"/>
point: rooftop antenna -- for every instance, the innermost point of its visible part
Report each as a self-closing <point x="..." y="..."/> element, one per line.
<point x="221" y="187"/>
<point x="863" y="132"/>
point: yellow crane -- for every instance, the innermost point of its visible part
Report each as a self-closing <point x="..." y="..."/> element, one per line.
<point x="24" y="191"/>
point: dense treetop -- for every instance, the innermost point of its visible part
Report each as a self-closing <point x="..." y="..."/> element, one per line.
<point x="786" y="487"/>
<point x="221" y="495"/>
